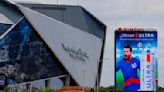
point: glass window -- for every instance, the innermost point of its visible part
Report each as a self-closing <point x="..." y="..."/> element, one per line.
<point x="26" y="57"/>
<point x="56" y="83"/>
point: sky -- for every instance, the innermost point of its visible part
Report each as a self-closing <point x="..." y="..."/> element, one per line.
<point x="126" y="14"/>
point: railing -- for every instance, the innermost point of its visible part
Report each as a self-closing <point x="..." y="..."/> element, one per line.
<point x="28" y="86"/>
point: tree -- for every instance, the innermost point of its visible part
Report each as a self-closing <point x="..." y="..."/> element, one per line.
<point x="160" y="89"/>
<point x="48" y="89"/>
<point x="105" y="89"/>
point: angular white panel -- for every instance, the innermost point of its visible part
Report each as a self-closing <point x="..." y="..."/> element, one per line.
<point x="4" y="19"/>
<point x="77" y="50"/>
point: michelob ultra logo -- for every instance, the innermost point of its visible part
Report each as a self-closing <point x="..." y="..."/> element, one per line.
<point x="148" y="77"/>
<point x="137" y="35"/>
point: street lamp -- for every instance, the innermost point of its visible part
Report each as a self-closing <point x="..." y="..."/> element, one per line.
<point x="83" y="80"/>
<point x="57" y="2"/>
<point x="97" y="77"/>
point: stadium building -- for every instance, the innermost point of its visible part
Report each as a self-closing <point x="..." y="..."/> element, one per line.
<point x="49" y="45"/>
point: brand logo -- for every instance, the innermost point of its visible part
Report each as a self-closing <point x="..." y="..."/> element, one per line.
<point x="134" y="65"/>
<point x="149" y="75"/>
<point x="76" y="53"/>
<point x="137" y="35"/>
<point x="126" y="35"/>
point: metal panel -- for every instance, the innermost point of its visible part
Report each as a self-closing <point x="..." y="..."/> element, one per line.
<point x="75" y="16"/>
<point x="10" y="11"/>
<point x="77" y="50"/>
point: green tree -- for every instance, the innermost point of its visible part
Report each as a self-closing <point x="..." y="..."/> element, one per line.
<point x="107" y="89"/>
<point x="160" y="89"/>
<point x="104" y="89"/>
<point x="48" y="89"/>
<point x="6" y="90"/>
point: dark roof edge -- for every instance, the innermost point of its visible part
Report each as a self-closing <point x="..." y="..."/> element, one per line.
<point x="10" y="3"/>
<point x="6" y="1"/>
<point x="90" y="14"/>
<point x="51" y="5"/>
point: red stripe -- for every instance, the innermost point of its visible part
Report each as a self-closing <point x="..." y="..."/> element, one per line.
<point x="131" y="80"/>
<point x="136" y="35"/>
<point x="148" y="58"/>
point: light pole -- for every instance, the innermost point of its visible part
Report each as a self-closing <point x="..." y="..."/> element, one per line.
<point x="57" y="2"/>
<point x="83" y="80"/>
<point x="97" y="77"/>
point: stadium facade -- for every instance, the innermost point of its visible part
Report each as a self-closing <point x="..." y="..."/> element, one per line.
<point x="50" y="45"/>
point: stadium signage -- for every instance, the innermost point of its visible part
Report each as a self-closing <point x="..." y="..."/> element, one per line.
<point x="133" y="29"/>
<point x="75" y="53"/>
<point x="144" y="45"/>
<point x="130" y="29"/>
<point x="137" y="35"/>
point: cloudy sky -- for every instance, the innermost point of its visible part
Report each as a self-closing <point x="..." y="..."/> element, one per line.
<point x="123" y="13"/>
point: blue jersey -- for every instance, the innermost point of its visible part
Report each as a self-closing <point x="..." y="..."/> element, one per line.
<point x="129" y="70"/>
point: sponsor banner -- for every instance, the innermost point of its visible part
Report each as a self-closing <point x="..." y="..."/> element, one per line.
<point x="136" y="61"/>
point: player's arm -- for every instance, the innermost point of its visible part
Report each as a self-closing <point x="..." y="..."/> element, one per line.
<point x="118" y="66"/>
<point x="138" y="64"/>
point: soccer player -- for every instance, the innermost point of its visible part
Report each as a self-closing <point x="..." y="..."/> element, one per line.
<point x="129" y="66"/>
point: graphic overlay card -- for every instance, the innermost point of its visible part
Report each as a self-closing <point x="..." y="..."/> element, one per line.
<point x="136" y="61"/>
